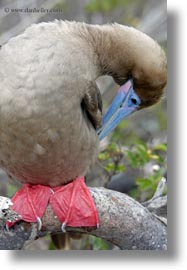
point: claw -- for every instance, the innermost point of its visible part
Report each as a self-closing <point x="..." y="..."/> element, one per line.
<point x="7" y="227"/>
<point x="63" y="227"/>
<point x="39" y="222"/>
<point x="52" y="191"/>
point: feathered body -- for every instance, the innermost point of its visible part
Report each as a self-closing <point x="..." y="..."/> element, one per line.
<point x="45" y="74"/>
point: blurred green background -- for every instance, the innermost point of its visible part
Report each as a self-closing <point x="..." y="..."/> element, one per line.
<point x="133" y="158"/>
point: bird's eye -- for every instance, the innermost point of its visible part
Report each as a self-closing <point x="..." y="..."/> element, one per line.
<point x="134" y="101"/>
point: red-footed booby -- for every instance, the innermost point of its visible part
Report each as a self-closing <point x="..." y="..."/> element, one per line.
<point x="51" y="108"/>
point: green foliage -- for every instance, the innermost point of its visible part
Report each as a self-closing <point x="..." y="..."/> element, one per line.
<point x="51" y="246"/>
<point x="116" y="158"/>
<point x="11" y="190"/>
<point x="141" y="154"/>
<point x="60" y="5"/>
<point x="97" y="243"/>
<point x="101" y="6"/>
<point x="146" y="186"/>
<point x="111" y="159"/>
<point x="105" y="5"/>
<point x="138" y="156"/>
<point x="88" y="242"/>
<point x="160" y="147"/>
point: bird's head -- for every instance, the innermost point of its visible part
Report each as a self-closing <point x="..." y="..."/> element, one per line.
<point x="140" y="68"/>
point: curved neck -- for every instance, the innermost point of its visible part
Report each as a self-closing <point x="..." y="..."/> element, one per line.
<point x="113" y="49"/>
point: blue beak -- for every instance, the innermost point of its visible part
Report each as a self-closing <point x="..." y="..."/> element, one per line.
<point x="125" y="103"/>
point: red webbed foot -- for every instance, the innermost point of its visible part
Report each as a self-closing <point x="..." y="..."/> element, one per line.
<point x="30" y="202"/>
<point x="72" y="204"/>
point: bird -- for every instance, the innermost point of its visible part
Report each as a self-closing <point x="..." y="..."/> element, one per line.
<point x="51" y="118"/>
